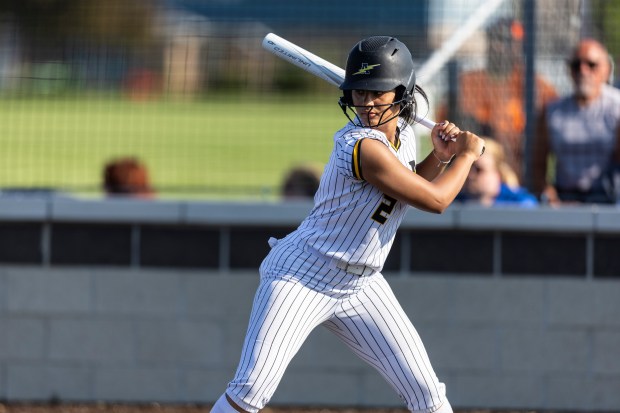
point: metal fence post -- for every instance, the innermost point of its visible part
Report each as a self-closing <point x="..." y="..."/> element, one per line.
<point x="529" y="51"/>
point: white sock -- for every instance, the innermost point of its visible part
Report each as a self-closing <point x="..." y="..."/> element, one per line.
<point x="445" y="407"/>
<point x="222" y="406"/>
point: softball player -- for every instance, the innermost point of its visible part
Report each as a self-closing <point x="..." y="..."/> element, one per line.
<point x="328" y="271"/>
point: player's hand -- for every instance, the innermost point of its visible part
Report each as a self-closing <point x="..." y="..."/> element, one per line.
<point x="468" y="143"/>
<point x="444" y="135"/>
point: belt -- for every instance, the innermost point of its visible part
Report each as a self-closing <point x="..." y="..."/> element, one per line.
<point x="360" y="270"/>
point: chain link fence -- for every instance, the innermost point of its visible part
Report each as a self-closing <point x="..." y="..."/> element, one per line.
<point x="185" y="87"/>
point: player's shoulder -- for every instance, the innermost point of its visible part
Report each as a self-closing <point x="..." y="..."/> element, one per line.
<point x="350" y="134"/>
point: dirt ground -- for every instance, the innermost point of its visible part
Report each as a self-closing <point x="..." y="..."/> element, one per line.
<point x="157" y="408"/>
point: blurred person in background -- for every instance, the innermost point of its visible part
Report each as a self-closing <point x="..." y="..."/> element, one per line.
<point x="491" y="100"/>
<point x="493" y="182"/>
<point x="582" y="133"/>
<point x="301" y="181"/>
<point x="127" y="176"/>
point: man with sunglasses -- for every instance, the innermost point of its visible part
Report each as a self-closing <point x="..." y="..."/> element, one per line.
<point x="582" y="133"/>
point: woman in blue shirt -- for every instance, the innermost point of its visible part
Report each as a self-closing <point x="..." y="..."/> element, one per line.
<point x="492" y="182"/>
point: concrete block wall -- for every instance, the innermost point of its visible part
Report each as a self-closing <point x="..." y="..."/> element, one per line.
<point x="146" y="301"/>
<point x="94" y="334"/>
<point x="174" y="336"/>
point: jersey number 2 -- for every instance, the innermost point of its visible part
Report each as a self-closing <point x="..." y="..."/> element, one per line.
<point x="384" y="210"/>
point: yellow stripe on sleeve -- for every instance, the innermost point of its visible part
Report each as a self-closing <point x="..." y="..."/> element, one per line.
<point x="357" y="162"/>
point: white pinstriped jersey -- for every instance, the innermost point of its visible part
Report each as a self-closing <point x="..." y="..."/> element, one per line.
<point x="352" y="221"/>
<point x="301" y="286"/>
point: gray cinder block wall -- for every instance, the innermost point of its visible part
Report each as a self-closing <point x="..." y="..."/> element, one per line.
<point x="149" y="301"/>
<point x="88" y="334"/>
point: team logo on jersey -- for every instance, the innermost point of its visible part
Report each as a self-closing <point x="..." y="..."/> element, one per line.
<point x="365" y="69"/>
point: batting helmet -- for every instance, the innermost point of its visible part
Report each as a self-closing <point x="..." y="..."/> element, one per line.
<point x="380" y="63"/>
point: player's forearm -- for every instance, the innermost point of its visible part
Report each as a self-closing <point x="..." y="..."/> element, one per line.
<point x="430" y="167"/>
<point x="442" y="190"/>
<point x="450" y="182"/>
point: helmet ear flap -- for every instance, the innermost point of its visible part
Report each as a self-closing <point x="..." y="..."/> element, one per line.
<point x="347" y="97"/>
<point x="403" y="94"/>
<point x="407" y="103"/>
<point x="408" y="96"/>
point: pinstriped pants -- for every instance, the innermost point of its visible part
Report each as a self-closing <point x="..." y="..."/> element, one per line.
<point x="298" y="292"/>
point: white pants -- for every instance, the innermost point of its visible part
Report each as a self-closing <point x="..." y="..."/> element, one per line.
<point x="362" y="311"/>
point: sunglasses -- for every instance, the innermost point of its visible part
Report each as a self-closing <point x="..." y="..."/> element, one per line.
<point x="575" y="64"/>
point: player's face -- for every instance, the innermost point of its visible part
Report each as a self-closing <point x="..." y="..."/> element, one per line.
<point x="374" y="107"/>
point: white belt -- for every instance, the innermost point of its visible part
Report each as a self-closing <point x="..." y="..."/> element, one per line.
<point x="360" y="270"/>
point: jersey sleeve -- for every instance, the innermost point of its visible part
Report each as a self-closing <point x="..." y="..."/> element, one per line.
<point x="348" y="153"/>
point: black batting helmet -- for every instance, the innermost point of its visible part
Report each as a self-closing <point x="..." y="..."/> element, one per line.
<point x="380" y="63"/>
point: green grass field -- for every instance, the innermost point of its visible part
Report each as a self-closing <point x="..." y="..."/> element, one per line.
<point x="215" y="147"/>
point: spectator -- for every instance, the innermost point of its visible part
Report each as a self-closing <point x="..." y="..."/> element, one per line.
<point x="301" y="182"/>
<point x="582" y="132"/>
<point x="491" y="100"/>
<point x="127" y="176"/>
<point x="492" y="182"/>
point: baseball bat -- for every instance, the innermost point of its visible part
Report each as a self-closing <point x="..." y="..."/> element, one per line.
<point x="314" y="64"/>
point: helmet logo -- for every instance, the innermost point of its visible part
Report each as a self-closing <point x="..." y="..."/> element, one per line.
<point x="365" y="69"/>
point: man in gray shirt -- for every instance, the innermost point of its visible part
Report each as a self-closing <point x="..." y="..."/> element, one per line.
<point x="582" y="132"/>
